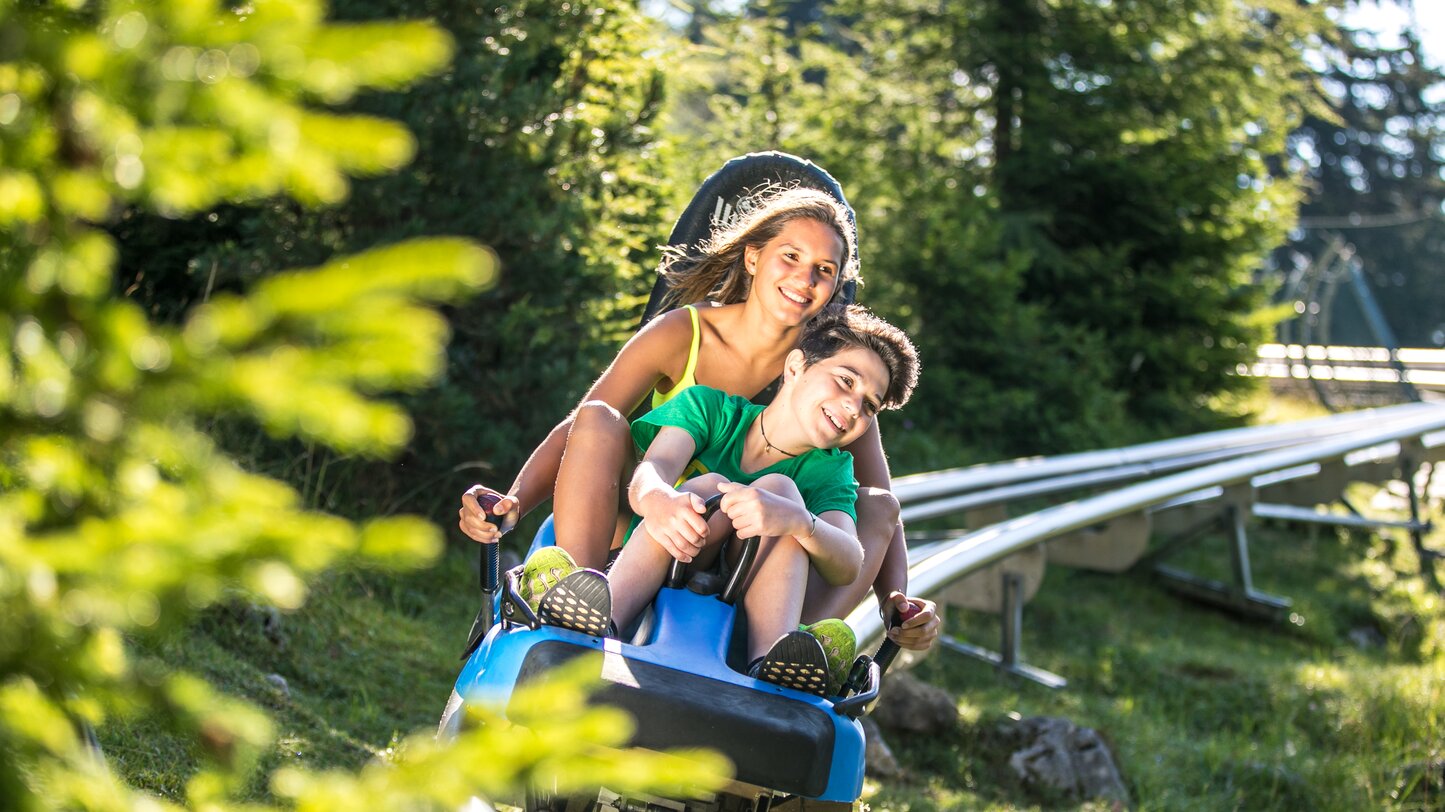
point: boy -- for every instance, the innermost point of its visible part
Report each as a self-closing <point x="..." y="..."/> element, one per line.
<point x="783" y="479"/>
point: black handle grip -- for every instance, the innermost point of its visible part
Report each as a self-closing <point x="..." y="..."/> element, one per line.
<point x="491" y="567"/>
<point x="865" y="679"/>
<point x="489" y="576"/>
<point x="734" y="589"/>
<point x="886" y="652"/>
<point x="868" y="671"/>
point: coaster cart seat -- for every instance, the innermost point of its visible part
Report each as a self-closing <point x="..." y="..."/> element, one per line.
<point x="680" y="675"/>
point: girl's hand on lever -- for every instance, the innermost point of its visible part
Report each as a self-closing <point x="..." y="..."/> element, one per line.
<point x="486" y="514"/>
<point x="913" y="622"/>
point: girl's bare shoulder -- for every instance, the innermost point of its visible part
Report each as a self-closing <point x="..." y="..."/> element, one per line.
<point x="718" y="316"/>
<point x="654" y="356"/>
<point x="671" y="329"/>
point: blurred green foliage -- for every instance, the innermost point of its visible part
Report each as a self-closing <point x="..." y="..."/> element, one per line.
<point x="538" y="139"/>
<point x="119" y="514"/>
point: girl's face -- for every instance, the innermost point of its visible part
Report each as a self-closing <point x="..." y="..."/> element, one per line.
<point x="795" y="273"/>
<point x="835" y="400"/>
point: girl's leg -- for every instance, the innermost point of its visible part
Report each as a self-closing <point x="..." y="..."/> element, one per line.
<point x="643" y="565"/>
<point x="598" y="456"/>
<point x="877" y="521"/>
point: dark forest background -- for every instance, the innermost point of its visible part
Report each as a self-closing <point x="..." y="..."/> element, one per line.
<point x="1083" y="211"/>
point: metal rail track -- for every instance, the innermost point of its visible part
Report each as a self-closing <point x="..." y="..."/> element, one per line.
<point x="1227" y="469"/>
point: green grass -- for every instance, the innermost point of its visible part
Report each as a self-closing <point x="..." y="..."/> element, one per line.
<point x="369" y="659"/>
<point x="1203" y="711"/>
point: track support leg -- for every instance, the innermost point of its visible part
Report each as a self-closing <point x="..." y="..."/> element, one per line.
<point x="1410" y="454"/>
<point x="1010" y="657"/>
<point x="1240" y="597"/>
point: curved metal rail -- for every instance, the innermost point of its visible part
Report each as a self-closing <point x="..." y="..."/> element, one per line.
<point x="1150" y="457"/>
<point x="1422" y="424"/>
<point x="1152" y="460"/>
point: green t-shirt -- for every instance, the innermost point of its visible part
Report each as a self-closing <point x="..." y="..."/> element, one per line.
<point x="719" y="422"/>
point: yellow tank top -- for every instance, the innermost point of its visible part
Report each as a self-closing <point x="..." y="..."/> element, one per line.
<point x="688" y="378"/>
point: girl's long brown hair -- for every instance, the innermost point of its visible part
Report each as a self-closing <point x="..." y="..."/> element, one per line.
<point x="714" y="269"/>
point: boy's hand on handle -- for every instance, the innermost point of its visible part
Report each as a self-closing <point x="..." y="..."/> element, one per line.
<point x="486" y="514"/>
<point x="914" y="622"/>
<point x="674" y="520"/>
<point x="756" y="512"/>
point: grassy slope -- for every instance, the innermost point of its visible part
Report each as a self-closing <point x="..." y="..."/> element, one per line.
<point x="367" y="660"/>
<point x="1203" y="711"/>
<point x="1207" y="712"/>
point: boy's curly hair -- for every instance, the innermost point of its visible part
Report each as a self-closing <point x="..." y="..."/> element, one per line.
<point x="841" y="327"/>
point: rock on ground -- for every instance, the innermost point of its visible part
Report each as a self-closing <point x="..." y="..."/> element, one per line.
<point x="278" y="682"/>
<point x="1061" y="757"/>
<point x="879" y="757"/>
<point x="909" y="704"/>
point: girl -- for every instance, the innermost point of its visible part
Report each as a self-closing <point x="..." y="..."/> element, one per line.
<point x="766" y="276"/>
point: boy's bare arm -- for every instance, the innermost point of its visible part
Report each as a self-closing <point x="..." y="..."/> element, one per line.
<point x="834" y="548"/>
<point x="674" y="519"/>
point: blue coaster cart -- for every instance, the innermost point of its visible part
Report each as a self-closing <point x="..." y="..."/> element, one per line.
<point x="680" y="674"/>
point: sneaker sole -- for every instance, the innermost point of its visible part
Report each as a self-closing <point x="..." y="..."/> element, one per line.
<point x="581" y="602"/>
<point x="796" y="661"/>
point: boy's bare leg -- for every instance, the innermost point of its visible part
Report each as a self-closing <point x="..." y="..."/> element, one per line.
<point x="643" y="565"/>
<point x="877" y="523"/>
<point x="599" y="454"/>
<point x="774" y="597"/>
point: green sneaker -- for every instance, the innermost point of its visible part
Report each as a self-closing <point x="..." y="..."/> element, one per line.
<point x="542" y="571"/>
<point x="840" y="645"/>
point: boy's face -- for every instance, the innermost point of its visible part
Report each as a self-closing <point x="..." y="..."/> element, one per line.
<point x="836" y="399"/>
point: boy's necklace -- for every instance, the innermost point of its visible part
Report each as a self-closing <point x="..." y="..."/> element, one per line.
<point x="766" y="442"/>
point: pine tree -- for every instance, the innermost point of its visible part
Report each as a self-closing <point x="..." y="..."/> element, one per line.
<point x="1065" y="201"/>
<point x="119" y="515"/>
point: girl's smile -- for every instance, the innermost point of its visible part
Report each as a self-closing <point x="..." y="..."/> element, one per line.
<point x="797" y="271"/>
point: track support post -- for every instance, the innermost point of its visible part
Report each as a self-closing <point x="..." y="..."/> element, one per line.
<point x="1009" y="658"/>
<point x="1240" y="597"/>
<point x="1417" y="526"/>
<point x="1411" y="455"/>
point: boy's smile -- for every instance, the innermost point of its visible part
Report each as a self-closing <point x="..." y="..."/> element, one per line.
<point x="833" y="402"/>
